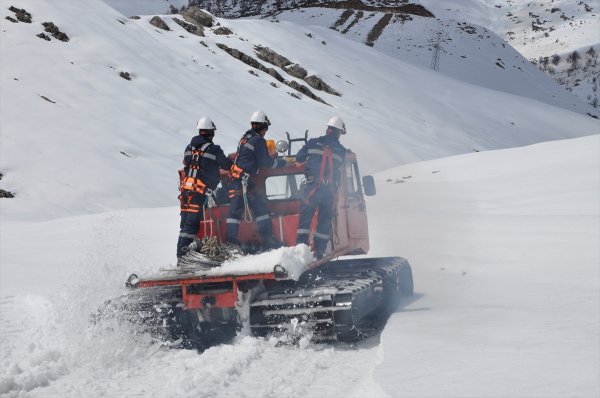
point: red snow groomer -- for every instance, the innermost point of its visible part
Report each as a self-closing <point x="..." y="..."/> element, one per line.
<point x="335" y="299"/>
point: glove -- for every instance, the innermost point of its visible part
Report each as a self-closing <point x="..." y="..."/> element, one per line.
<point x="271" y="149"/>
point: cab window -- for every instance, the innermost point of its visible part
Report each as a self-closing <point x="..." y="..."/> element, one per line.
<point x="352" y="180"/>
<point x="283" y="186"/>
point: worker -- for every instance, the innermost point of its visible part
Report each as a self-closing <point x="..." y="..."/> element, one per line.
<point x="198" y="178"/>
<point x="252" y="155"/>
<point x="323" y="158"/>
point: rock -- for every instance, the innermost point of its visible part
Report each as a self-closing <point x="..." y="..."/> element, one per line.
<point x="304" y="90"/>
<point x="11" y="19"/>
<point x="190" y="28"/>
<point x="252" y="72"/>
<point x="273" y="84"/>
<point x="270" y="56"/>
<point x="44" y="36"/>
<point x="56" y="33"/>
<point x="318" y="84"/>
<point x="134" y="17"/>
<point x="294" y="95"/>
<point x="197" y="16"/>
<point x="47" y="99"/>
<point x="241" y="56"/>
<point x="275" y="74"/>
<point x="125" y="75"/>
<point x="159" y="23"/>
<point x="296" y="70"/>
<point x="6" y="194"/>
<point x="223" y="30"/>
<point x="204" y="44"/>
<point x="21" y="14"/>
<point x="271" y="71"/>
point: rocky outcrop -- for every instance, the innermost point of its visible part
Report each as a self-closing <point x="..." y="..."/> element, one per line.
<point x="44" y="36"/>
<point x="295" y="70"/>
<point x="354" y="21"/>
<point x="378" y="29"/>
<point x="190" y="28"/>
<point x="246" y="8"/>
<point x="159" y="23"/>
<point x="5" y="194"/>
<point x="21" y="14"/>
<point x="270" y="56"/>
<point x="237" y="54"/>
<point x="197" y="16"/>
<point x="222" y="30"/>
<point x="318" y="84"/>
<point x="342" y="19"/>
<point x="55" y="32"/>
<point x="248" y="60"/>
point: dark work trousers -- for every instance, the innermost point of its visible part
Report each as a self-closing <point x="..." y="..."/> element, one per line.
<point x="191" y="215"/>
<point x="320" y="198"/>
<point x="260" y="209"/>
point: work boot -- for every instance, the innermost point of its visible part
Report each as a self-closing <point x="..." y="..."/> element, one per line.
<point x="271" y="243"/>
<point x="320" y="247"/>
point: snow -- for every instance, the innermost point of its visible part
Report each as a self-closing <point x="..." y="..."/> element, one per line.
<point x="504" y="250"/>
<point x="145" y="7"/>
<point x="503" y="242"/>
<point x="469" y="52"/>
<point x="292" y="260"/>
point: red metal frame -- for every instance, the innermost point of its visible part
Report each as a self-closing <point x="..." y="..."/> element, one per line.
<point x="351" y="236"/>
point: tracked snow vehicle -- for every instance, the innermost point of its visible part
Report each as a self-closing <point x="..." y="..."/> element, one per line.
<point x="336" y="299"/>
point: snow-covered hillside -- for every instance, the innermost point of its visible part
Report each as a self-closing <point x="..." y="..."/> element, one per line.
<point x="467" y="52"/>
<point x="79" y="137"/>
<point x="539" y="30"/>
<point x="544" y="31"/>
<point x="504" y="249"/>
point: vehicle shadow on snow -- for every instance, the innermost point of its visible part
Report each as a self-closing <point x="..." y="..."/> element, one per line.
<point x="406" y="301"/>
<point x="375" y="339"/>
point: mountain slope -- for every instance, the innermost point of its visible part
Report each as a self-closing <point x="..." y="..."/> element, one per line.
<point x="468" y="52"/>
<point x="56" y="114"/>
<point x="545" y="32"/>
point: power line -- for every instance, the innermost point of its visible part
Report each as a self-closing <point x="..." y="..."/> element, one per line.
<point x="435" y="60"/>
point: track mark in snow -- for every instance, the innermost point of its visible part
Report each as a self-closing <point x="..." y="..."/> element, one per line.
<point x="28" y="359"/>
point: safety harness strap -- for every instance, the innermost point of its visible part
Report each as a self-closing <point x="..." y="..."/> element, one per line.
<point x="326" y="160"/>
<point x="191" y="182"/>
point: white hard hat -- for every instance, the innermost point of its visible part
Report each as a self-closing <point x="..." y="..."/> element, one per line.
<point x="260" y="117"/>
<point x="206" y="124"/>
<point x="338" y="123"/>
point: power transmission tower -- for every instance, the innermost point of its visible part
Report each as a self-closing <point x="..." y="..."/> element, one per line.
<point x="435" y="60"/>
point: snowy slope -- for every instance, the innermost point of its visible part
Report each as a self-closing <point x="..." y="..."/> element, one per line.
<point x="145" y="7"/>
<point x="535" y="28"/>
<point x="506" y="254"/>
<point x="78" y="138"/>
<point x="504" y="248"/>
<point x="469" y="52"/>
<point x="540" y="30"/>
